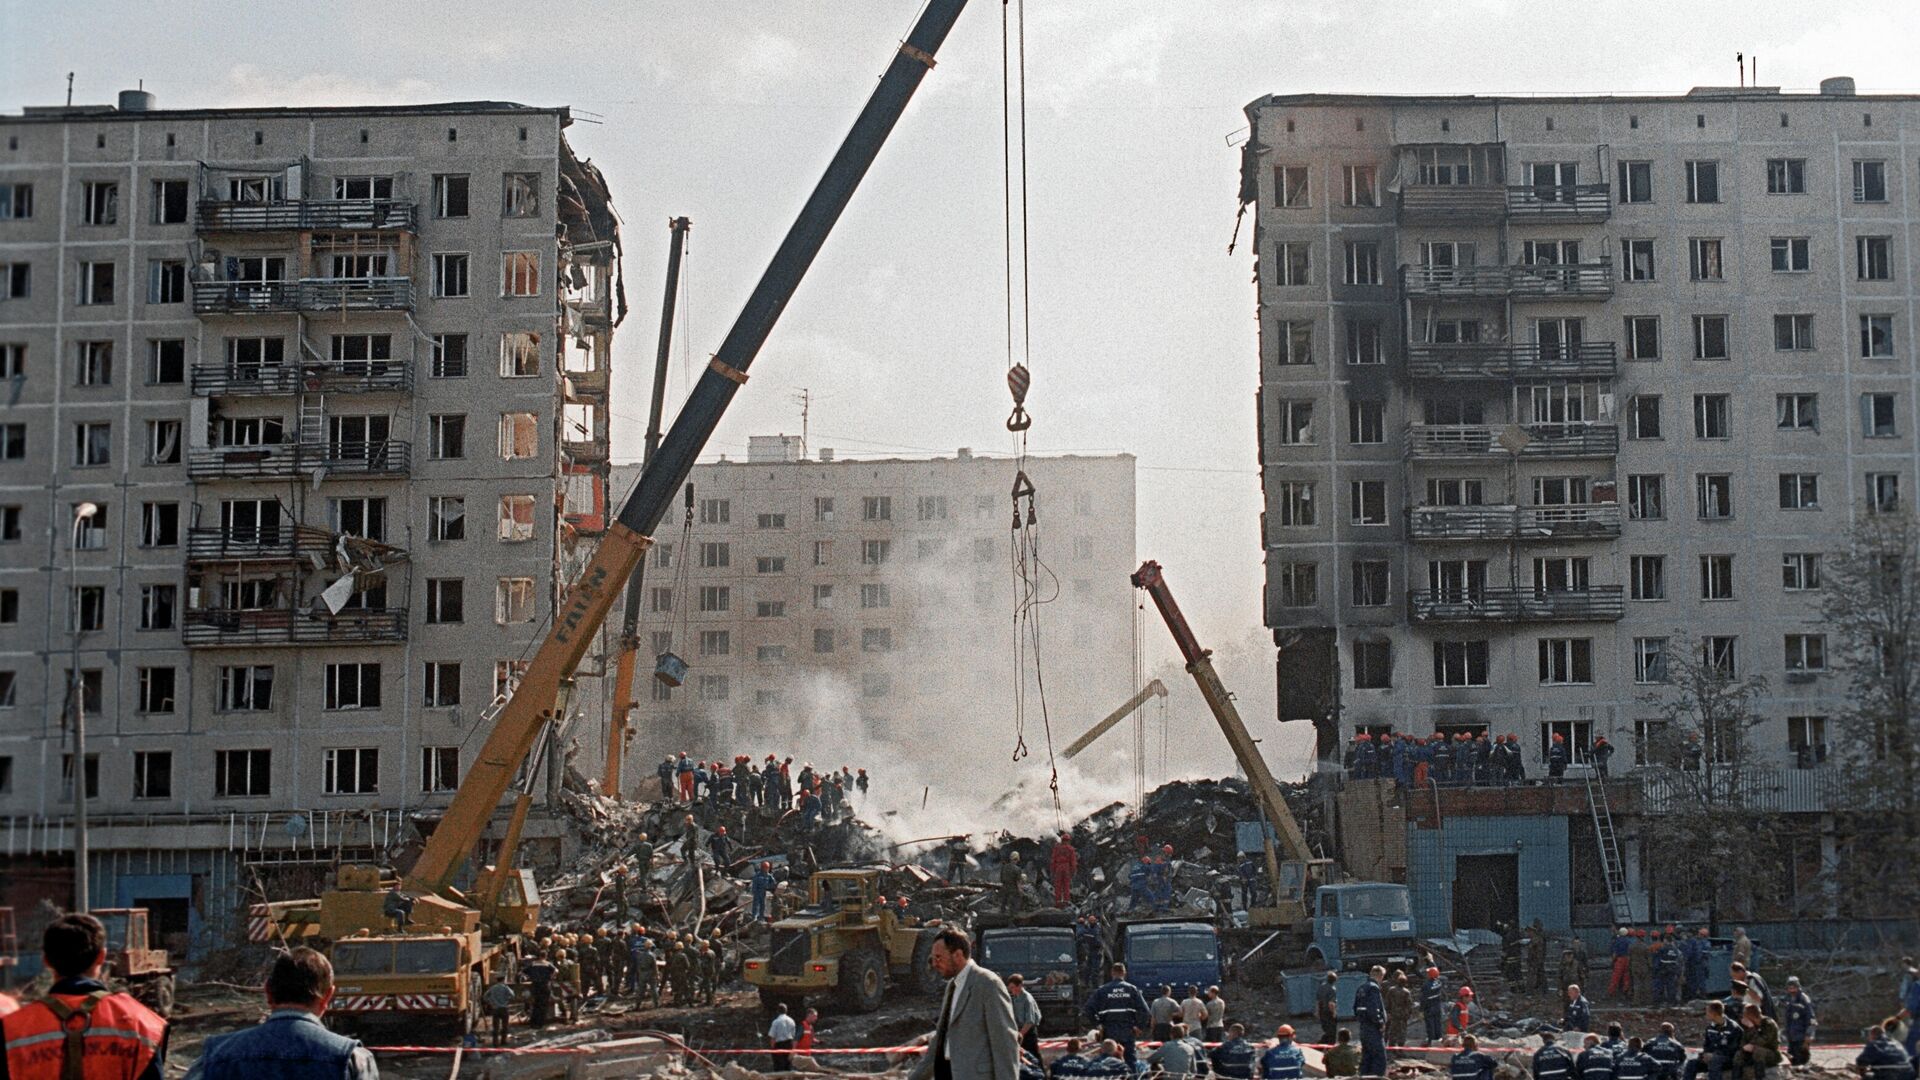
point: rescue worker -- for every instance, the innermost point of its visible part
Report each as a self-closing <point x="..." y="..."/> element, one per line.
<point x="1342" y="1058"/>
<point x="1064" y="862"/>
<point x="1578" y="1014"/>
<point x="613" y="960"/>
<point x="1742" y="947"/>
<point x="590" y="964"/>
<point x="1120" y="1010"/>
<point x="1717" y="1044"/>
<point x="1176" y="1058"/>
<point x="1632" y="1063"/>
<point x="1601" y="752"/>
<point x="1615" y="1043"/>
<point x="1139" y="887"/>
<point x="709" y="972"/>
<point x="643" y="853"/>
<point x="539" y="975"/>
<point x="619" y="899"/>
<point x="1462" y="1016"/>
<point x="1640" y="969"/>
<point x="1551" y="1061"/>
<point x="683" y="773"/>
<point x="1010" y="883"/>
<point x="1759" y="1046"/>
<point x="665" y="772"/>
<point x="1694" y="955"/>
<point x="643" y="979"/>
<point x="1620" y="982"/>
<point x="1666" y="970"/>
<point x="1399" y="998"/>
<point x="1800" y="1021"/>
<point x="679" y="974"/>
<point x="1088" y="946"/>
<point x="567" y="981"/>
<point x="1882" y="1058"/>
<point x="1216" y="1026"/>
<point x="107" y="1035"/>
<point x="862" y="783"/>
<point x="1232" y="1059"/>
<point x="1536" y="956"/>
<point x="1326" y="1006"/>
<point x="721" y="847"/>
<point x="1594" y="1063"/>
<point x="1433" y="1006"/>
<point x="1469" y="1064"/>
<point x="1668" y="1056"/>
<point x="763" y="886"/>
<point x="1557" y="759"/>
<point x="499" y="1002"/>
<point x="957" y="859"/>
<point x="1370" y="1009"/>
<point x="1283" y="1060"/>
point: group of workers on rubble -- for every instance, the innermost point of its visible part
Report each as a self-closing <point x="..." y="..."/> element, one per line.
<point x="774" y="785"/>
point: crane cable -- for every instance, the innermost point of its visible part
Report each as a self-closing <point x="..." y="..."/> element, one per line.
<point x="1035" y="583"/>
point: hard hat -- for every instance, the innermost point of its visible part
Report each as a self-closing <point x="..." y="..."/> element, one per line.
<point x="1466" y="991"/>
<point x="1168" y="848"/>
<point x="1284" y="1031"/>
<point x="1559" y="738"/>
<point x="1433" y="973"/>
<point x="723" y="830"/>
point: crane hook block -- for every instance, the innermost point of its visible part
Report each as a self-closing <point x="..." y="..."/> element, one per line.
<point x="1018" y="380"/>
<point x="1022" y="487"/>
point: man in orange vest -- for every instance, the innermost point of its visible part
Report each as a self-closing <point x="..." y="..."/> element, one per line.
<point x="81" y="1030"/>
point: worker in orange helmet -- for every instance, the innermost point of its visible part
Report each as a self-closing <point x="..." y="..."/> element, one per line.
<point x="1557" y="758"/>
<point x="1464" y="1012"/>
<point x="1064" y="862"/>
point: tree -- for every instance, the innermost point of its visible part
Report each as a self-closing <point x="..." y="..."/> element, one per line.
<point x="1871" y="598"/>
<point x="1700" y="820"/>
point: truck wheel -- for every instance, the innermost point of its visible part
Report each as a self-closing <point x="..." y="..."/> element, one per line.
<point x="863" y="981"/>
<point x="163" y="996"/>
<point x="923" y="978"/>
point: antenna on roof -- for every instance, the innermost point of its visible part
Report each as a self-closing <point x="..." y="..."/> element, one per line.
<point x="69" y="89"/>
<point x="1741" y="60"/>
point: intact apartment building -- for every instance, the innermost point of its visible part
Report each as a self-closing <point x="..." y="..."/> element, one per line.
<point x="1555" y="388"/>
<point x="859" y="612"/>
<point x="302" y="429"/>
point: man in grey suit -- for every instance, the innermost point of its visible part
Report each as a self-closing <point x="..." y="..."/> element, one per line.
<point x="976" y="1038"/>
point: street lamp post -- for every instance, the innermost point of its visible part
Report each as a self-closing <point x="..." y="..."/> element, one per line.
<point x="77" y="691"/>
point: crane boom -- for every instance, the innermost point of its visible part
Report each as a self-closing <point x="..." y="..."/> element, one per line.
<point x="623" y="700"/>
<point x="583" y="610"/>
<point x="1147" y="693"/>
<point x="1200" y="664"/>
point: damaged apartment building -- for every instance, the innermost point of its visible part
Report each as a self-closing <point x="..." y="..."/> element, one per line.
<point x="1553" y="390"/>
<point x="303" y="427"/>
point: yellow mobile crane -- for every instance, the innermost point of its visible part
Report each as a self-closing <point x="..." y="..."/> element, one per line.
<point x="446" y="948"/>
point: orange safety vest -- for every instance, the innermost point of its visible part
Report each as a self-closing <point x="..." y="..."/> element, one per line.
<point x="96" y="1036"/>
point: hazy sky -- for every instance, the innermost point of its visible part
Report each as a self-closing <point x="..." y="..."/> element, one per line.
<point x="726" y="112"/>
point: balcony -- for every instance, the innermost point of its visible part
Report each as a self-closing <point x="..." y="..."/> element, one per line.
<point x="304" y="215"/>
<point x="1566" y="521"/>
<point x="1453" y="202"/>
<point x="1493" y="361"/>
<point x="282" y="626"/>
<point x="588" y="386"/>
<point x="1554" y="203"/>
<point x="388" y="457"/>
<point x="274" y="543"/>
<point x="307" y="294"/>
<point x="1597" y="604"/>
<point x="286" y="380"/>
<point x="1451" y="442"/>
<point x="1528" y="281"/>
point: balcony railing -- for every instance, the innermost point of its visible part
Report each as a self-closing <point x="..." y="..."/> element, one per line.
<point x="1561" y="202"/>
<point x="282" y="380"/>
<point x="304" y="215"/>
<point x="307" y="294"/>
<point x="1499" y="361"/>
<point x="1665" y="789"/>
<point x="388" y="457"/>
<point x="1453" y="202"/>
<point x="273" y="543"/>
<point x="282" y="626"/>
<point x="1597" y="604"/>
<point x="1441" y="442"/>
<point x="1525" y="281"/>
<point x="1566" y="521"/>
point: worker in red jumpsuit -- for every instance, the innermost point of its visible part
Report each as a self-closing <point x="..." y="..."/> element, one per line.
<point x="1065" y="863"/>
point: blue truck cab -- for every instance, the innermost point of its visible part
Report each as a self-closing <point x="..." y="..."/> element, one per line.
<point x="1359" y="925"/>
<point x="1170" y="952"/>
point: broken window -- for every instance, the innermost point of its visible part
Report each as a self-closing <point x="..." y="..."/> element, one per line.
<point x="519" y="436"/>
<point x="100" y="203"/>
<point x="447" y="515"/>
<point x="520" y="273"/>
<point x="166" y="362"/>
<point x="87" y="609"/>
<point x="446" y="601"/>
<point x="156" y="606"/>
<point x="362" y="354"/>
<point x="450" y="195"/>
<point x="440" y="765"/>
<point x="93" y="443"/>
<point x="450" y="273"/>
<point x="516" y="518"/>
<point x="361" y="188"/>
<point x="1290" y="185"/>
<point x="352" y="685"/>
<point x="351" y="771"/>
<point x="507" y="675"/>
<point x="159" y="524"/>
<point x="513" y="601"/>
<point x="95" y="364"/>
<point x="519" y="354"/>
<point x="248" y="688"/>
<point x="95" y="283"/>
<point x="520" y="195"/>
<point x="169" y="202"/>
<point x="243" y="772"/>
<point x="359" y="516"/>
<point x="449" y="356"/>
<point x="166" y="281"/>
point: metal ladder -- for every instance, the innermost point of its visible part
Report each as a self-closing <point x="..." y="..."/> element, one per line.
<point x="313" y="402"/>
<point x="1611" y="863"/>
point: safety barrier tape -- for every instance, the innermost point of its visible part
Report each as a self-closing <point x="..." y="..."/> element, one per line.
<point x="846" y="1051"/>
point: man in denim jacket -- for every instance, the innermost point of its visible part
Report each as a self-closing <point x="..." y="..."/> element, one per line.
<point x="292" y="1044"/>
